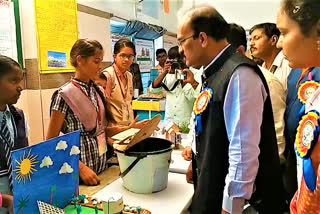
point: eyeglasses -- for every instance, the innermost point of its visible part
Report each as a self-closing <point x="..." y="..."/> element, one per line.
<point x="181" y="41"/>
<point x="126" y="57"/>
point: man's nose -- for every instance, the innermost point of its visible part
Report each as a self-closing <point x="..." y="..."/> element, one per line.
<point x="251" y="43"/>
<point x="181" y="51"/>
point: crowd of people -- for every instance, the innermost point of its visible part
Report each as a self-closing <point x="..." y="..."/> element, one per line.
<point x="254" y="146"/>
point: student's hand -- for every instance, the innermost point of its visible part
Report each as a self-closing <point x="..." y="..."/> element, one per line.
<point x="88" y="176"/>
<point x="138" y="125"/>
<point x="133" y="123"/>
<point x="189" y="174"/>
<point x="224" y="212"/>
<point x="186" y="154"/>
<point x="7" y="202"/>
<point x="141" y="124"/>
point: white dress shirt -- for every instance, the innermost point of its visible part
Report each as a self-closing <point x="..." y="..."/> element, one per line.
<point x="179" y="102"/>
<point x="283" y="70"/>
<point x="278" y="101"/>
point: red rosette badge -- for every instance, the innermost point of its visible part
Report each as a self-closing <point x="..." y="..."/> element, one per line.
<point x="306" y="90"/>
<point x="307" y="132"/>
<point x="202" y="101"/>
<point x="200" y="105"/>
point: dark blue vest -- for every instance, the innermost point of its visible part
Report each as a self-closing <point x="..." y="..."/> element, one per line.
<point x="211" y="161"/>
<point x="20" y="140"/>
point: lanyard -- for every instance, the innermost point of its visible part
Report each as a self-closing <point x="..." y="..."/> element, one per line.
<point x="97" y="110"/>
<point x="124" y="91"/>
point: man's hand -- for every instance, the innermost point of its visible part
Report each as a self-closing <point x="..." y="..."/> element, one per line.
<point x="190" y="78"/>
<point x="167" y="66"/>
<point x="186" y="154"/>
<point x="189" y="176"/>
<point x="87" y="175"/>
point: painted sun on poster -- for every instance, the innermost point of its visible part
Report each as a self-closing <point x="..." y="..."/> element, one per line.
<point x="46" y="172"/>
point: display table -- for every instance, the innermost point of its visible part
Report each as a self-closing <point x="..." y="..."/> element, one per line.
<point x="175" y="199"/>
<point x="108" y="176"/>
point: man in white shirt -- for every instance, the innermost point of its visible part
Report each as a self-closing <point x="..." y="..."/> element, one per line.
<point x="181" y="94"/>
<point x="263" y="40"/>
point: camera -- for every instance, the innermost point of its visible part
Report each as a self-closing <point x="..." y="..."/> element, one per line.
<point x="180" y="74"/>
<point x="175" y="64"/>
<point x="177" y="69"/>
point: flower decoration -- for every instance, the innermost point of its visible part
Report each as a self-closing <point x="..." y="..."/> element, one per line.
<point x="306" y="90"/>
<point x="307" y="133"/>
<point x="200" y="105"/>
<point x="202" y="101"/>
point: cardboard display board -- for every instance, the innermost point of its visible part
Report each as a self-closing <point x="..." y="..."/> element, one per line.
<point x="48" y="172"/>
<point x="130" y="138"/>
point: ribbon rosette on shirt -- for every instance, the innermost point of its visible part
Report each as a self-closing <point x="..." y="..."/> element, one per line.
<point x="306" y="137"/>
<point x="306" y="90"/>
<point x="200" y="105"/>
<point x="307" y="134"/>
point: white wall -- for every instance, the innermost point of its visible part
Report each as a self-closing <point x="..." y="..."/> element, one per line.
<point x="98" y="28"/>
<point x="130" y="9"/>
<point x="169" y="41"/>
<point x="122" y="8"/>
<point x="243" y="12"/>
<point x="28" y="29"/>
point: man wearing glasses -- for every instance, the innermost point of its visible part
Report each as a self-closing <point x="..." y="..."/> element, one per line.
<point x="235" y="155"/>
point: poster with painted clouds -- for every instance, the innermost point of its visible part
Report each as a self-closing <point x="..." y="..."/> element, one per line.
<point x="48" y="172"/>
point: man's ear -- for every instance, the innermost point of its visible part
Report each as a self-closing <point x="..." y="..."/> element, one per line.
<point x="274" y="39"/>
<point x="241" y="49"/>
<point x="203" y="37"/>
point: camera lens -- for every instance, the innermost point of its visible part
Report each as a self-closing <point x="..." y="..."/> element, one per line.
<point x="175" y="65"/>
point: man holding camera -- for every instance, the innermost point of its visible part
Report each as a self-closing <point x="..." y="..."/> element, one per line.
<point x="182" y="86"/>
